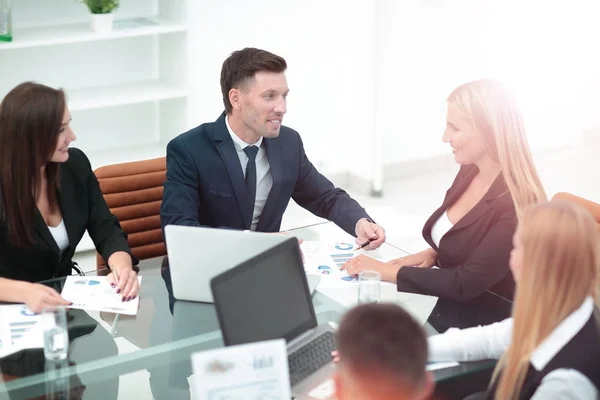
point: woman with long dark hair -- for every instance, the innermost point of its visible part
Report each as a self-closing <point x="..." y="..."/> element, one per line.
<point x="49" y="197"/>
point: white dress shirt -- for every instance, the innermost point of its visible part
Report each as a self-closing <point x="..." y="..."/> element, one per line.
<point x="490" y="341"/>
<point x="59" y="233"/>
<point x="440" y="228"/>
<point x="264" y="179"/>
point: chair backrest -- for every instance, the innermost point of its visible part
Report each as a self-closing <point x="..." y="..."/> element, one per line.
<point x="592" y="207"/>
<point x="133" y="192"/>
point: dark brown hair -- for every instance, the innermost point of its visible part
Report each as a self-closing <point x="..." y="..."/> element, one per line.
<point x="30" y="120"/>
<point x="241" y="66"/>
<point x="385" y="341"/>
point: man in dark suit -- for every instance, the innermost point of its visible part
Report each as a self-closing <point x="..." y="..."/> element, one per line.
<point x="242" y="170"/>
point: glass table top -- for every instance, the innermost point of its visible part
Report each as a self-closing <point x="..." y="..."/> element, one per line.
<point x="120" y="356"/>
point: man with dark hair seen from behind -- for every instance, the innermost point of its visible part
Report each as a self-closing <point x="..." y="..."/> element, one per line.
<point x="242" y="170"/>
<point x="382" y="355"/>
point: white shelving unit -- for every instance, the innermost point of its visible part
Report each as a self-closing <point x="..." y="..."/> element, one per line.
<point x="121" y="95"/>
<point x="77" y="33"/>
<point x="127" y="90"/>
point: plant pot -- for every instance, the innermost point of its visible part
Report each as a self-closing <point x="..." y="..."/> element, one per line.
<point x="102" y="23"/>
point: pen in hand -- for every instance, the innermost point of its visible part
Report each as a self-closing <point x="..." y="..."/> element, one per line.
<point x="365" y="244"/>
<point x="114" y="272"/>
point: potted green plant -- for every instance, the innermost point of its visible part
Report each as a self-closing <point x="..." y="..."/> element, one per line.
<point x="102" y="13"/>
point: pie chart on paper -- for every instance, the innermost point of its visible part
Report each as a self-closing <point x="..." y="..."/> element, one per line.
<point x="343" y="246"/>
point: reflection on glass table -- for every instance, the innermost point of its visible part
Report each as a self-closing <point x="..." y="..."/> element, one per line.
<point x="155" y="346"/>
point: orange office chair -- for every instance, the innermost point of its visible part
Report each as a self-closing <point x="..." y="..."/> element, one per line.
<point x="133" y="192"/>
<point x="593" y="208"/>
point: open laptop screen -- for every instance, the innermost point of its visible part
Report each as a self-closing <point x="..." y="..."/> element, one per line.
<point x="266" y="297"/>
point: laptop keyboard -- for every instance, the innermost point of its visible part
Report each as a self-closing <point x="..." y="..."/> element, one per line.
<point x="312" y="356"/>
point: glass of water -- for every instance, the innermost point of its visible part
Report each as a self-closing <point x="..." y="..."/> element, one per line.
<point x="57" y="380"/>
<point x="56" y="337"/>
<point x="369" y="287"/>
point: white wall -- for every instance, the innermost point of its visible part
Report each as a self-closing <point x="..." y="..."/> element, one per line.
<point x="328" y="46"/>
<point x="425" y="49"/>
<point x="589" y="72"/>
<point x="429" y="47"/>
<point x="374" y="67"/>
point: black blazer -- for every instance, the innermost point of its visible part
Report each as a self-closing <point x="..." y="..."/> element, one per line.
<point x="473" y="255"/>
<point x="83" y="207"/>
<point x="205" y="183"/>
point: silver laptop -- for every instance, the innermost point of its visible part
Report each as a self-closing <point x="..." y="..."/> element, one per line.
<point x="267" y="297"/>
<point x="198" y="254"/>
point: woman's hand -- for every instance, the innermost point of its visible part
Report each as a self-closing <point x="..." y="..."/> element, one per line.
<point x="37" y="297"/>
<point x="362" y="263"/>
<point x="125" y="281"/>
<point x="423" y="259"/>
<point x="123" y="278"/>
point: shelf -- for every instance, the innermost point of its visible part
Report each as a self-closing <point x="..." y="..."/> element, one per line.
<point x="118" y="95"/>
<point x="77" y="33"/>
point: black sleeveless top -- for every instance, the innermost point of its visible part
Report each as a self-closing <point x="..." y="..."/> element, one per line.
<point x="581" y="353"/>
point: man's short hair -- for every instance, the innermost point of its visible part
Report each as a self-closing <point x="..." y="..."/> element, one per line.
<point x="385" y="340"/>
<point x="241" y="66"/>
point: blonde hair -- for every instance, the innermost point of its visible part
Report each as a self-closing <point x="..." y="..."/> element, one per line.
<point x="561" y="260"/>
<point x="496" y="116"/>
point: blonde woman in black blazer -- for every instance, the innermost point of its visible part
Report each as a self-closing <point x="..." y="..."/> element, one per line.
<point x="470" y="234"/>
<point x="49" y="197"/>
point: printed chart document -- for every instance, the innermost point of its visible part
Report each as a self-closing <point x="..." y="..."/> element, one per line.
<point x="325" y="259"/>
<point x="95" y="293"/>
<point x="20" y="329"/>
<point x="254" y="371"/>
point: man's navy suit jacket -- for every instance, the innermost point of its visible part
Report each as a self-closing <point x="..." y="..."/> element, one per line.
<point x="205" y="183"/>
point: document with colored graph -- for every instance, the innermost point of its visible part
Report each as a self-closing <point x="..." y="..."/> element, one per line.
<point x="326" y="258"/>
<point x="20" y="329"/>
<point x="95" y="294"/>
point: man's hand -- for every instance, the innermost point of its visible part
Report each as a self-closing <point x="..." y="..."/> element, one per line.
<point x="369" y="231"/>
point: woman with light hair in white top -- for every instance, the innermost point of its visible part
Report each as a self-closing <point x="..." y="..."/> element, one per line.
<point x="550" y="348"/>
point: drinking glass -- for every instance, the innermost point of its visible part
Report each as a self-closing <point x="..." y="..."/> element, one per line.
<point x="56" y="337"/>
<point x="369" y="287"/>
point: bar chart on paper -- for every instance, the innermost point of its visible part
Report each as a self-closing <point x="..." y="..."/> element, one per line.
<point x="20" y="328"/>
<point x="326" y="259"/>
<point x="343" y="253"/>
